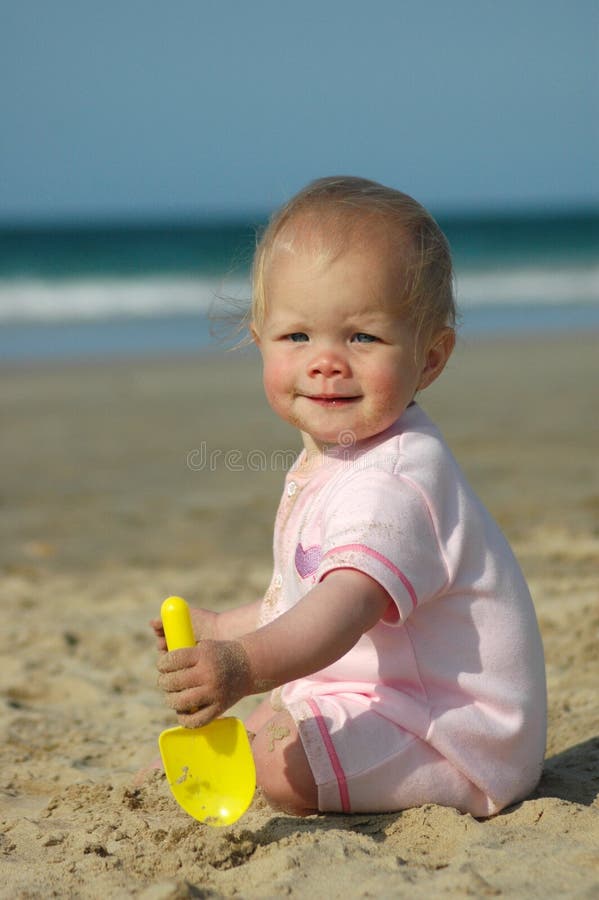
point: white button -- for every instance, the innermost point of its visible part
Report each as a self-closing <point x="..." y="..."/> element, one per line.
<point x="277" y="581"/>
<point x="291" y="488"/>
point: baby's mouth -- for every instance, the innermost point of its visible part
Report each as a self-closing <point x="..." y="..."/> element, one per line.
<point x="332" y="400"/>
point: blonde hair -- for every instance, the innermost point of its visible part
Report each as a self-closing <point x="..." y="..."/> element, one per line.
<point x="339" y="210"/>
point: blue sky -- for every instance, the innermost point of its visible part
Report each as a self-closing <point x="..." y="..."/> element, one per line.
<point x="191" y="108"/>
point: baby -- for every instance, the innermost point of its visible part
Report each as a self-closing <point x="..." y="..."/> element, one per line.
<point x="397" y="638"/>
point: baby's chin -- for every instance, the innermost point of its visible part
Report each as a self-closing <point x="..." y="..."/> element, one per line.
<point x="342" y="438"/>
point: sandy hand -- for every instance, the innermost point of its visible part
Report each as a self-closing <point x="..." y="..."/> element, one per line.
<point x="202" y="682"/>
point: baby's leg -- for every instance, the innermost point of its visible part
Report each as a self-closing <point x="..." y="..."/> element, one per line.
<point x="282" y="768"/>
<point x="144" y="774"/>
<point x="259" y="717"/>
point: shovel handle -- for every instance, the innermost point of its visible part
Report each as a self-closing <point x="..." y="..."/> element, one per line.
<point x="176" y="622"/>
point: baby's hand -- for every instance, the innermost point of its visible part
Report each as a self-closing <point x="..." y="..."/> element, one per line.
<point x="204" y="621"/>
<point x="202" y="682"/>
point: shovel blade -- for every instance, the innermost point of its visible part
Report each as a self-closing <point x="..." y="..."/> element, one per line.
<point x="210" y="770"/>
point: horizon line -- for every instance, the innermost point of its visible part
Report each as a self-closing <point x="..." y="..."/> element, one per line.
<point x="187" y="219"/>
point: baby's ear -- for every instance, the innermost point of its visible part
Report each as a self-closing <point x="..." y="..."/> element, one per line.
<point x="435" y="359"/>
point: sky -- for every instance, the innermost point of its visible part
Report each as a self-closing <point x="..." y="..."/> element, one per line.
<point x="166" y="109"/>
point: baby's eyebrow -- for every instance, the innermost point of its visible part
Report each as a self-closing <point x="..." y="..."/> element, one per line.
<point x="369" y="320"/>
<point x="288" y="324"/>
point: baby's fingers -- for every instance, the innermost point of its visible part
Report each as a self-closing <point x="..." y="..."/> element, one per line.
<point x="156" y="625"/>
<point x="177" y="659"/>
<point x="181" y="680"/>
<point x="199" y="717"/>
<point x="193" y="706"/>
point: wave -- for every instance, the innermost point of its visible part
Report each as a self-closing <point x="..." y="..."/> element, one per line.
<point x="55" y="300"/>
<point x="58" y="300"/>
<point x="529" y="286"/>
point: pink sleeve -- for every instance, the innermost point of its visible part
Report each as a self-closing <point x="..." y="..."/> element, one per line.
<point x="380" y="524"/>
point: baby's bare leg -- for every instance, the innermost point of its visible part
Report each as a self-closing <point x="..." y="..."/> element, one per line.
<point x="258" y="717"/>
<point x="282" y="768"/>
<point x="144" y="774"/>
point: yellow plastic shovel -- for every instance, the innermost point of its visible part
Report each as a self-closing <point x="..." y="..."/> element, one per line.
<point x="210" y="769"/>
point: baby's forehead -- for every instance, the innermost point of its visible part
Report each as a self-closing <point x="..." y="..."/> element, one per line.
<point x="326" y="234"/>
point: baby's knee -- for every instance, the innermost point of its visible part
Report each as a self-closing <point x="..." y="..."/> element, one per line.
<point x="282" y="769"/>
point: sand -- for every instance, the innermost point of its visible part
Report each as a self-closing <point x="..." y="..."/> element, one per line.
<point x="118" y="491"/>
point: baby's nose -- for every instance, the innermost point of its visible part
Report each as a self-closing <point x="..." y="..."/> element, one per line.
<point x="329" y="363"/>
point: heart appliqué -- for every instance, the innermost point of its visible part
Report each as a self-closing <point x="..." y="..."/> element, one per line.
<point x="307" y="561"/>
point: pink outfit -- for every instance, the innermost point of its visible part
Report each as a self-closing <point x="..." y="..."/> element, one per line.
<point x="444" y="701"/>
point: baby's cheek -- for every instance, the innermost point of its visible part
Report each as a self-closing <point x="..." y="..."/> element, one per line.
<point x="392" y="385"/>
<point x="275" y="379"/>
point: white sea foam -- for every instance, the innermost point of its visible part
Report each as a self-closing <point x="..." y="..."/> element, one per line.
<point x="30" y="300"/>
<point x="549" y="285"/>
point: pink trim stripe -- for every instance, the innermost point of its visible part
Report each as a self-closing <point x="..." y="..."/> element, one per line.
<point x="361" y="548"/>
<point x="330" y="748"/>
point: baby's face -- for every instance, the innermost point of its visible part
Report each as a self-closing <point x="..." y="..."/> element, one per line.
<point x="339" y="364"/>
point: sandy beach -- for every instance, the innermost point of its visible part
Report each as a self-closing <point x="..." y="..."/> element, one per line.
<point x="126" y="482"/>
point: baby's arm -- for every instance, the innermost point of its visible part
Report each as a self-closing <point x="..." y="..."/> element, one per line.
<point x="317" y="631"/>
<point x="203" y="681"/>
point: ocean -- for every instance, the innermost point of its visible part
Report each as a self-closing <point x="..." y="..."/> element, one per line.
<point x="80" y="293"/>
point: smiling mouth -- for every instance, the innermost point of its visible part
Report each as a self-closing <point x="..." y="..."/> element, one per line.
<point x="331" y="400"/>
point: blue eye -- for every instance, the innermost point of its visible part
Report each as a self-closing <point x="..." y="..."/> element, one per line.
<point x="298" y="337"/>
<point x="362" y="338"/>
